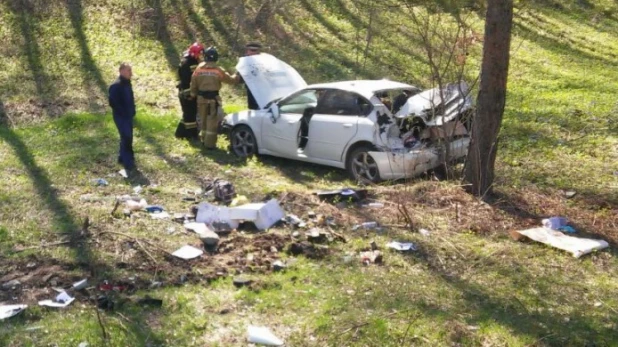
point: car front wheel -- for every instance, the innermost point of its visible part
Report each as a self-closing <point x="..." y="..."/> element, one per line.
<point x="242" y="141"/>
<point x="362" y="167"/>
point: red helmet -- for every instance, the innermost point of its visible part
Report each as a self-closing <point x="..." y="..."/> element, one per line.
<point x="195" y="50"/>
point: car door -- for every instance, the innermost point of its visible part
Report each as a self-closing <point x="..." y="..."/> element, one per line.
<point x="281" y="137"/>
<point x="335" y="123"/>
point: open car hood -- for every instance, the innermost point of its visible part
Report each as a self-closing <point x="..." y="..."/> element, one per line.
<point x="434" y="111"/>
<point x="269" y="78"/>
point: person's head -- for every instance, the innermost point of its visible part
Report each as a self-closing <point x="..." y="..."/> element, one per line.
<point x="126" y="71"/>
<point x="195" y="50"/>
<point x="253" y="48"/>
<point x="211" y="54"/>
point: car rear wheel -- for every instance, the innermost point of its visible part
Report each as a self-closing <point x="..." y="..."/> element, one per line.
<point x="361" y="166"/>
<point x="242" y="141"/>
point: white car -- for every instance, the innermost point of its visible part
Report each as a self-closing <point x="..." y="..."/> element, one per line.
<point x="376" y="130"/>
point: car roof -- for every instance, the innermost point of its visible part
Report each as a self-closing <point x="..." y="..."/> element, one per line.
<point x="366" y="88"/>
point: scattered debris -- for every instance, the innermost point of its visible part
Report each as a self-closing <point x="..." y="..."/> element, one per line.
<point x="149" y="301"/>
<point x="279" y="266"/>
<point x="576" y="246"/>
<point x="105" y="303"/>
<point x="317" y="235"/>
<point x="188" y="252"/>
<point x="371" y="257"/>
<point x="154" y="209"/>
<point x="401" y="246"/>
<point x="80" y="285"/>
<point x="263" y="215"/>
<point x="567" y="229"/>
<point x="62" y="300"/>
<point x="209" y="238"/>
<point x="8" y="311"/>
<point x="295" y="221"/>
<point x="12" y="284"/>
<point x="198" y="228"/>
<point x="345" y="194"/>
<point x="210" y="214"/>
<point x="133" y="205"/>
<point x="138" y="189"/>
<point x="554" y="223"/>
<point x="106" y="287"/>
<point x="375" y="205"/>
<point x="224" y="191"/>
<point x="374" y="246"/>
<point x="240" y="282"/>
<point x="100" y="182"/>
<point x="160" y="215"/>
<point x="367" y="226"/>
<point x="123" y="173"/>
<point x="570" y="194"/>
<point x="263" y="335"/>
<point x="84" y="344"/>
<point x="424" y="232"/>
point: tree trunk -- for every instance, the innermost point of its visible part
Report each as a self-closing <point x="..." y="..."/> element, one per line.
<point x="491" y="98"/>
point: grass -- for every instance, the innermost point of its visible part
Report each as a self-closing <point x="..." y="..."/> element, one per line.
<point x="468" y="284"/>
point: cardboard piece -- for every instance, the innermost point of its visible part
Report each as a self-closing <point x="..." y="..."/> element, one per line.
<point x="262" y="215"/>
<point x="210" y="214"/>
<point x="573" y="245"/>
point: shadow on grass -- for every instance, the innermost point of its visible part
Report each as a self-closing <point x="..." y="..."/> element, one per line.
<point x="163" y="34"/>
<point x="90" y="71"/>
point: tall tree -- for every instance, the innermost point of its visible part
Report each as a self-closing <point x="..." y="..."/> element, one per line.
<point x="491" y="98"/>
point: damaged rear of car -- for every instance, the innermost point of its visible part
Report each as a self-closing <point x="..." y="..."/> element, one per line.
<point x="430" y="130"/>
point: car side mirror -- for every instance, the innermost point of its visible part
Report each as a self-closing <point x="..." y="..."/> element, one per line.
<point x="274" y="113"/>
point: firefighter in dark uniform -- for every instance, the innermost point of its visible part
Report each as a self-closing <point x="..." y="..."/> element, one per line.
<point x="188" y="127"/>
<point x="205" y="85"/>
<point x="252" y="48"/>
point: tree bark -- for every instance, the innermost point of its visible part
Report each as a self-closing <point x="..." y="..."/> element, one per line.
<point x="491" y="98"/>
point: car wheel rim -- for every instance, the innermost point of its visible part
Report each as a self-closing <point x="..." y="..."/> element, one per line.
<point x="365" y="167"/>
<point x="243" y="143"/>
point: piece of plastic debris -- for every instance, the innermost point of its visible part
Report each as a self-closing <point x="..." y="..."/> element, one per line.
<point x="84" y="344"/>
<point x="150" y="301"/>
<point x="401" y="246"/>
<point x="138" y="189"/>
<point x="209" y="214"/>
<point x="279" y="265"/>
<point x="570" y="194"/>
<point x="375" y="205"/>
<point x="263" y="335"/>
<point x="133" y="205"/>
<point x="240" y="282"/>
<point x="160" y="215"/>
<point x="81" y="284"/>
<point x="34" y="328"/>
<point x="123" y="173"/>
<point x="598" y="304"/>
<point x="209" y="238"/>
<point x="344" y="194"/>
<point x="106" y="287"/>
<point x="154" y="209"/>
<point x="424" y="232"/>
<point x="62" y="300"/>
<point x="554" y="223"/>
<point x="198" y="228"/>
<point x="567" y="229"/>
<point x="576" y="246"/>
<point x="366" y="226"/>
<point x="100" y="182"/>
<point x="8" y="311"/>
<point x="263" y="215"/>
<point x="294" y="221"/>
<point x="188" y="252"/>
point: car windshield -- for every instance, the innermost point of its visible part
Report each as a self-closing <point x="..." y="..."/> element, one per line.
<point x="300" y="102"/>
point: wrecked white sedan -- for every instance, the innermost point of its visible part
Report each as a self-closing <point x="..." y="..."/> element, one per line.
<point x="376" y="130"/>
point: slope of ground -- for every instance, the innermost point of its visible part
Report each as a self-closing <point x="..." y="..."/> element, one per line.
<point x="468" y="284"/>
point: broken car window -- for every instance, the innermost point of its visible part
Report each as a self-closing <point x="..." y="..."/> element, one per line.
<point x="342" y="103"/>
<point x="299" y="103"/>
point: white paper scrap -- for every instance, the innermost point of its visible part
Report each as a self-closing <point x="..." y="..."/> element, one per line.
<point x="574" y="245"/>
<point x="188" y="252"/>
<point x="263" y="335"/>
<point x="8" y="311"/>
<point x="401" y="246"/>
<point x="62" y="300"/>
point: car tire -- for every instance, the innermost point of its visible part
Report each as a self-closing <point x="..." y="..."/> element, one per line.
<point x="361" y="166"/>
<point x="242" y="142"/>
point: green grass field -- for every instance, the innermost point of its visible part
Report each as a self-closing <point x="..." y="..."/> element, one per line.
<point x="468" y="284"/>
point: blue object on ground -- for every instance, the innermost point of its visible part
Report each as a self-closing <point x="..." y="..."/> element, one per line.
<point x="154" y="209"/>
<point x="567" y="229"/>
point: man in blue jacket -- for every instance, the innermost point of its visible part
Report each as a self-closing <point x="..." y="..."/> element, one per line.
<point x="123" y="106"/>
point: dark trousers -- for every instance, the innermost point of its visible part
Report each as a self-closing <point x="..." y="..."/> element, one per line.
<point x="125" y="130"/>
<point x="187" y="128"/>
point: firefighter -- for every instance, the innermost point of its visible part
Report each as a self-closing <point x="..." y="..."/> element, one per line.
<point x="188" y="126"/>
<point x="252" y="48"/>
<point x="205" y="85"/>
